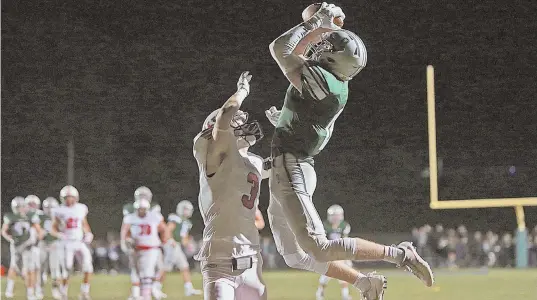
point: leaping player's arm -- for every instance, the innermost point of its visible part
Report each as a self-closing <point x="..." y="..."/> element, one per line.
<point x="225" y="115"/>
<point x="283" y="48"/>
<point x="259" y="220"/>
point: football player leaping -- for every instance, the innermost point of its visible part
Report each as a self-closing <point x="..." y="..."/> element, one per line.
<point x="22" y="231"/>
<point x="71" y="226"/>
<point x="179" y="226"/>
<point x="315" y="98"/>
<point x="145" y="193"/>
<point x="140" y="232"/>
<point x="229" y="178"/>
<point x="336" y="227"/>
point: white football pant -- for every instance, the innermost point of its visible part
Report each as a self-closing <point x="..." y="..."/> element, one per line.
<point x="70" y="249"/>
<point x="220" y="283"/>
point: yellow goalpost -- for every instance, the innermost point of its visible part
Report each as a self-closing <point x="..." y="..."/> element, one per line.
<point x="435" y="203"/>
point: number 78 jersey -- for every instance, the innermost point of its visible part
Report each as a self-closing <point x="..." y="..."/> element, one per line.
<point x="144" y="230"/>
<point x="228" y="199"/>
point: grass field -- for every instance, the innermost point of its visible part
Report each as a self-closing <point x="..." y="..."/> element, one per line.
<point x="456" y="285"/>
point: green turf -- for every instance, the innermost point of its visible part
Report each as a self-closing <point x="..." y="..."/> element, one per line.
<point x="456" y="285"/>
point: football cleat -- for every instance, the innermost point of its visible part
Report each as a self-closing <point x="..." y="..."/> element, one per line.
<point x="378" y="285"/>
<point x="415" y="264"/>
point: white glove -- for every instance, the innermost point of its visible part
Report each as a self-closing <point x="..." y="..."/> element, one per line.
<point x="273" y="114"/>
<point x="326" y="14"/>
<point x="244" y="82"/>
<point x="88" y="237"/>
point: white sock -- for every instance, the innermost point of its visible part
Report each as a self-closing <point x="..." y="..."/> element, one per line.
<point x="30" y="291"/>
<point x="362" y="283"/>
<point x="188" y="286"/>
<point x="393" y="254"/>
<point x="157" y="285"/>
<point x="84" y="288"/>
<point x="135" y="291"/>
<point x="345" y="293"/>
<point x="64" y="288"/>
<point x="9" y="286"/>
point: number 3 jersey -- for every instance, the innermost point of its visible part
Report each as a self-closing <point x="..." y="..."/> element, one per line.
<point x="71" y="218"/>
<point x="228" y="199"/>
<point x="144" y="230"/>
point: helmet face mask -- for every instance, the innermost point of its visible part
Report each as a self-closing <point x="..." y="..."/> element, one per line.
<point x="69" y="195"/>
<point x="185" y="209"/>
<point x="48" y="204"/>
<point x="18" y="205"/>
<point x="341" y="52"/>
<point x="142" y="205"/>
<point x="249" y="132"/>
<point x="33" y="202"/>
<point x="335" y="214"/>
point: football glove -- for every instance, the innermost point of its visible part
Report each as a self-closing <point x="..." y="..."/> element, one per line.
<point x="273" y="114"/>
<point x="326" y="14"/>
<point x="244" y="82"/>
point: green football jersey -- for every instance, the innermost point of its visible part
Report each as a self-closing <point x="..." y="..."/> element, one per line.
<point x="129" y="208"/>
<point x="307" y="119"/>
<point x="20" y="225"/>
<point x="46" y="226"/>
<point x="340" y="231"/>
<point x="182" y="227"/>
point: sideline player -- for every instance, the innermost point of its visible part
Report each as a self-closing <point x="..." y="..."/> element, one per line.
<point x="140" y="234"/>
<point x="70" y="225"/>
<point x="34" y="204"/>
<point x="144" y="192"/>
<point x="22" y="231"/>
<point x="179" y="226"/>
<point x="229" y="178"/>
<point x="336" y="227"/>
<point x="315" y="98"/>
<point x="50" y="248"/>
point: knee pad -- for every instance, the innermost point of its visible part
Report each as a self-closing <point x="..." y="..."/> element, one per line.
<point x="324" y="279"/>
<point x="134" y="276"/>
<point x="304" y="261"/>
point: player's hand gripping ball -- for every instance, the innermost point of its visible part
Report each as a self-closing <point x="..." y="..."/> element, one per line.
<point x="309" y="11"/>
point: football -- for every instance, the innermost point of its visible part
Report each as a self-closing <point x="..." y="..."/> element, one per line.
<point x="313" y="8"/>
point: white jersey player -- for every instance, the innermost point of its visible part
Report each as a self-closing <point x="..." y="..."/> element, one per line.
<point x="71" y="226"/>
<point x="229" y="178"/>
<point x="140" y="234"/>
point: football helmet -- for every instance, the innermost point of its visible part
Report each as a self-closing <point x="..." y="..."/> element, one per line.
<point x="143" y="192"/>
<point x="33" y="202"/>
<point x="185" y="209"/>
<point x="49" y="203"/>
<point x="67" y="191"/>
<point x="241" y="127"/>
<point x="18" y="205"/>
<point x="335" y="214"/>
<point x="340" y="51"/>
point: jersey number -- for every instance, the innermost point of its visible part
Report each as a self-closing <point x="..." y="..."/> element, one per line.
<point x="145" y="229"/>
<point x="249" y="200"/>
<point x="71" y="223"/>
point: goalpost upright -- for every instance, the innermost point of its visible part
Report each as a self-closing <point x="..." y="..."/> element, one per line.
<point x="435" y="203"/>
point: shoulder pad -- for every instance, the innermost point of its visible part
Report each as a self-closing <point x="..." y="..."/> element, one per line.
<point x="7" y="218"/>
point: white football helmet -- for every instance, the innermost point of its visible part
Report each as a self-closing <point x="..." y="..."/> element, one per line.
<point x="340" y="51"/>
<point x="335" y="214"/>
<point x="142" y="203"/>
<point x="49" y="203"/>
<point x="67" y="191"/>
<point x="251" y="132"/>
<point x="33" y="202"/>
<point x="185" y="209"/>
<point x="143" y="192"/>
<point x="18" y="205"/>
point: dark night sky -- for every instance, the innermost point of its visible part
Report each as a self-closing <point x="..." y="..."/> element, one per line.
<point x="132" y="82"/>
